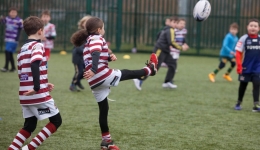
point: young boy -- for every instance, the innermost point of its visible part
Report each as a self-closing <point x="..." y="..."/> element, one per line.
<point x="162" y="50"/>
<point x="248" y="63"/>
<point x="100" y="77"/>
<point x="36" y="102"/>
<point x="227" y="53"/>
<point x="180" y="33"/>
<point x="49" y="32"/>
<point x="14" y="26"/>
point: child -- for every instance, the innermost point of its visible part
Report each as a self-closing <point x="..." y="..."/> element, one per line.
<point x="180" y="33"/>
<point x="162" y="50"/>
<point x="227" y="53"/>
<point x="77" y="60"/>
<point x="49" y="32"/>
<point x="14" y="25"/>
<point x="100" y="77"/>
<point x="36" y="102"/>
<point x="248" y="63"/>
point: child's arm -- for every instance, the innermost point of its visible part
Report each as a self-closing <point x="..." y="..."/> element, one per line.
<point x="53" y="33"/>
<point x="171" y="39"/>
<point x="239" y="53"/>
<point x="36" y="78"/>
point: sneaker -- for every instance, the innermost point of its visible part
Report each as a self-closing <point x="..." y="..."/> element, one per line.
<point x="212" y="77"/>
<point x="227" y="77"/>
<point x="3" y="69"/>
<point x="256" y="108"/>
<point x="80" y="86"/>
<point x="12" y="70"/>
<point x="73" y="88"/>
<point x="137" y="83"/>
<point x="169" y="85"/>
<point x="25" y="147"/>
<point x="108" y="146"/>
<point x="237" y="107"/>
<point x="153" y="64"/>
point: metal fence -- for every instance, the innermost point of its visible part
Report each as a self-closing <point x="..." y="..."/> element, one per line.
<point x="134" y="23"/>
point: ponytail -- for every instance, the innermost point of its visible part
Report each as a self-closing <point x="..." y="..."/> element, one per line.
<point x="78" y="38"/>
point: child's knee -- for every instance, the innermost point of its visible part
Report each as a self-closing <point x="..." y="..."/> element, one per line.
<point x="56" y="120"/>
<point x="233" y="64"/>
<point x="30" y="124"/>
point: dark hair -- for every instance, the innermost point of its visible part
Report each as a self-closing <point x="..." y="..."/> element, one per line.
<point x="32" y="24"/>
<point x="234" y="25"/>
<point x="92" y="25"/>
<point x="254" y="20"/>
<point x="175" y="19"/>
<point x="181" y="19"/>
<point x="12" y="8"/>
<point x="46" y="12"/>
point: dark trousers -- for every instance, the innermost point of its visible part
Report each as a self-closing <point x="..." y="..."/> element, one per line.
<point x="9" y="58"/>
<point x="171" y="63"/>
<point x="78" y="75"/>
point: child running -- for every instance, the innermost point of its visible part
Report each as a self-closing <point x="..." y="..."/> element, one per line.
<point x="227" y="53"/>
<point x="14" y="25"/>
<point x="100" y="77"/>
<point x="36" y="102"/>
<point x="248" y="63"/>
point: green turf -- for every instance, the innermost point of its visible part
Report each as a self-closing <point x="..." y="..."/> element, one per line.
<point x="198" y="115"/>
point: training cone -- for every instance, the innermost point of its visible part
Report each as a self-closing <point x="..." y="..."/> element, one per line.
<point x="126" y="57"/>
<point x="63" y="52"/>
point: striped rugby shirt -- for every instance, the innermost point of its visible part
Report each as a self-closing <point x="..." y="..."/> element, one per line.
<point x="31" y="51"/>
<point x="13" y="28"/>
<point x="180" y="39"/>
<point x="49" y="30"/>
<point x="97" y="43"/>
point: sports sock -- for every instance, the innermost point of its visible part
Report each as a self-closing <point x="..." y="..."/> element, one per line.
<point x="47" y="131"/>
<point x="241" y="91"/>
<point x="216" y="71"/>
<point x="106" y="137"/>
<point x="19" y="139"/>
<point x="229" y="70"/>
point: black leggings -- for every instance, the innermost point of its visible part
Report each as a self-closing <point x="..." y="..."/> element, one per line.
<point x="132" y="74"/>
<point x="31" y="122"/>
<point x="242" y="89"/>
<point x="9" y="58"/>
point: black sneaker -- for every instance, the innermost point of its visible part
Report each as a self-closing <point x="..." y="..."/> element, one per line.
<point x="3" y="69"/>
<point x="256" y="108"/>
<point x="73" y="88"/>
<point x="108" y="146"/>
<point x="80" y="86"/>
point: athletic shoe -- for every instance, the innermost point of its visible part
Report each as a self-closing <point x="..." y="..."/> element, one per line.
<point x="152" y="64"/>
<point x="212" y="77"/>
<point x="237" y="107"/>
<point x="256" y="108"/>
<point x="73" y="88"/>
<point x="3" y="69"/>
<point x="137" y="83"/>
<point x="12" y="70"/>
<point x="169" y="85"/>
<point x="25" y="147"/>
<point x="227" y="77"/>
<point x="108" y="146"/>
<point x="80" y="86"/>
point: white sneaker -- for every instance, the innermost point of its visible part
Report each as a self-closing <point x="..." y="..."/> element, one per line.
<point x="169" y="85"/>
<point x="25" y="147"/>
<point x="137" y="84"/>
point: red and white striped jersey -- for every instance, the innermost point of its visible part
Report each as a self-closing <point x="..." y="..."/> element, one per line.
<point x="180" y="39"/>
<point x="97" y="43"/>
<point x="49" y="30"/>
<point x="31" y="51"/>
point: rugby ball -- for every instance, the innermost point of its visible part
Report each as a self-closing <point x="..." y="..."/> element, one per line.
<point x="202" y="10"/>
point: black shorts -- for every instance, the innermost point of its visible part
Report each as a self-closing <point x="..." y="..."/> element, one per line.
<point x="249" y="77"/>
<point x="225" y="59"/>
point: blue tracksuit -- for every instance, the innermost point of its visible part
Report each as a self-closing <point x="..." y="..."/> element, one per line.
<point x="228" y="46"/>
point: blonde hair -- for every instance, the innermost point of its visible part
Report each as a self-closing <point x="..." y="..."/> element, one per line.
<point x="82" y="22"/>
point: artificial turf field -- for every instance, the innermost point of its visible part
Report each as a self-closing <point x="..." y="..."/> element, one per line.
<point x="198" y="115"/>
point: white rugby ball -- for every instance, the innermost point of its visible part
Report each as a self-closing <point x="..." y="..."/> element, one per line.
<point x="202" y="10"/>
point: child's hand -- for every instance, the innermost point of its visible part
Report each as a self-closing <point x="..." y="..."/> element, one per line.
<point x="88" y="74"/>
<point x="29" y="92"/>
<point x="233" y="53"/>
<point x="185" y="47"/>
<point x="113" y="57"/>
<point x="239" y="69"/>
<point x="50" y="87"/>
